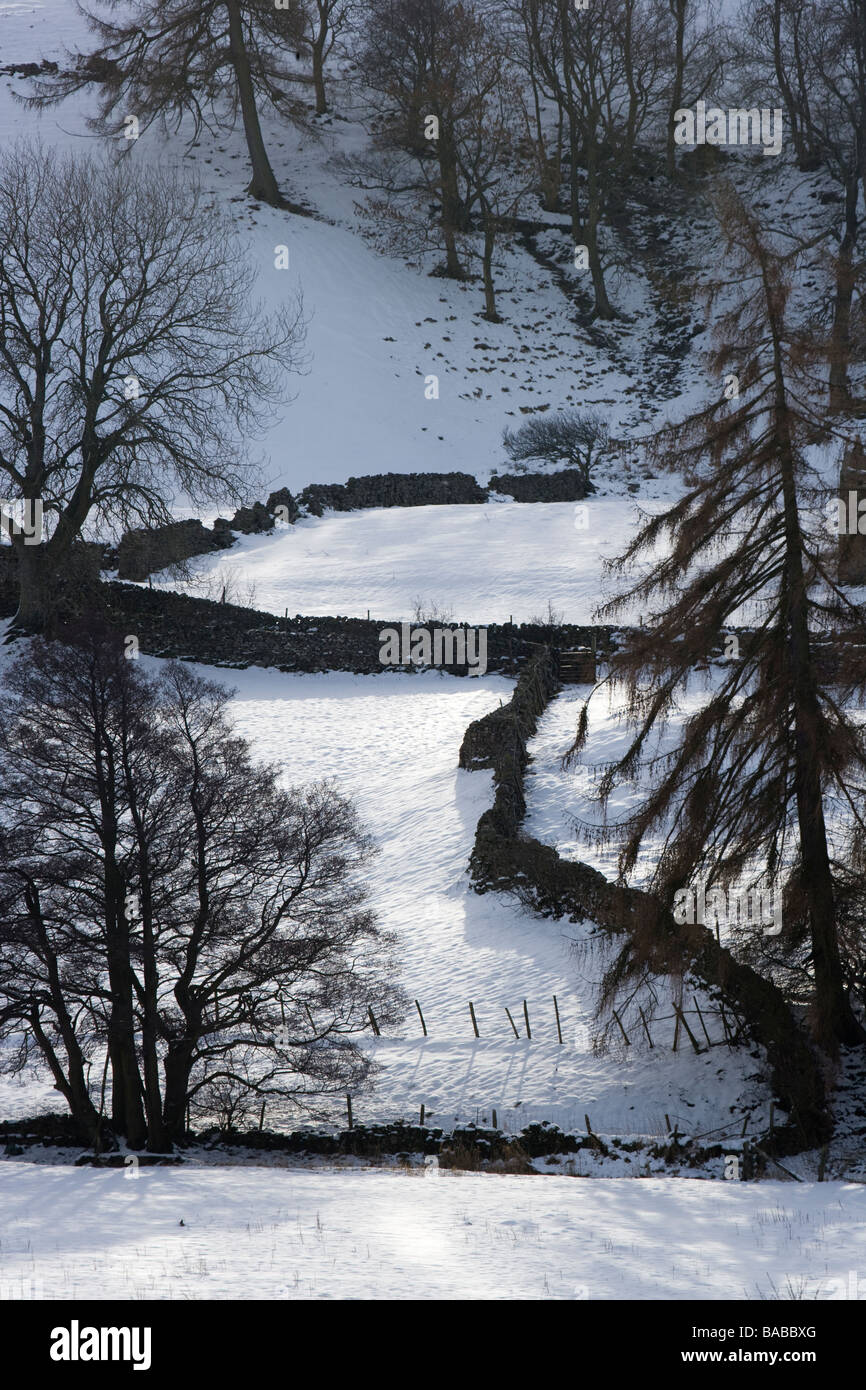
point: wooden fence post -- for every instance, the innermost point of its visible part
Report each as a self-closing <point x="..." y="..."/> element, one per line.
<point x="526" y="1016"/>
<point x="474" y="1020"/>
<point x="693" y="1040"/>
<point x="724" y="1018"/>
<point x="421" y="1016"/>
<point x="621" y="1029"/>
<point x="558" y="1025"/>
<point x="701" y="1017"/>
<point x="511" y="1021"/>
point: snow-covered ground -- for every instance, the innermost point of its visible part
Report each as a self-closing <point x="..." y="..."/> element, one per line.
<point x="278" y="1234"/>
<point x="556" y="798"/>
<point x="481" y="564"/>
<point x="392" y="741"/>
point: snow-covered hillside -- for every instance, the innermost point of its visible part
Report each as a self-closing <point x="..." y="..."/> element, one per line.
<point x="377" y="326"/>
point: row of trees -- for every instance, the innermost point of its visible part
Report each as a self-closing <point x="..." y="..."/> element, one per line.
<point x="177" y="928"/>
<point x="542" y="100"/>
<point x="485" y="107"/>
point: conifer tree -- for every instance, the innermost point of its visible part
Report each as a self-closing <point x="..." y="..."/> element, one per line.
<point x="772" y="761"/>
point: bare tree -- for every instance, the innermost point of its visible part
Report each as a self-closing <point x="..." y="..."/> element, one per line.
<point x="544" y="135"/>
<point x="133" y="356"/>
<point x="166" y="903"/>
<point x="488" y="142"/>
<point x="577" y="438"/>
<point x="322" y="22"/>
<point x="604" y="66"/>
<point x="696" y="58"/>
<point x="416" y="61"/>
<point x="205" y="59"/>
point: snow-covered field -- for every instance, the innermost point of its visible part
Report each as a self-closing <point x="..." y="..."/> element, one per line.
<point x="277" y="1234"/>
<point x="556" y="797"/>
<point x="480" y="564"/>
<point x="392" y="741"/>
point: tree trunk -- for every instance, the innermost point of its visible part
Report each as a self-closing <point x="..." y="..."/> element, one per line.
<point x="626" y="159"/>
<point x="834" y="1020"/>
<point x="840" y="338"/>
<point x="127" y="1111"/>
<point x="549" y="165"/>
<point x="177" y="1067"/>
<point x="487" y="268"/>
<point x="148" y="988"/>
<point x="451" y="206"/>
<point x="318" y="48"/>
<point x="573" y="128"/>
<point x="71" y="1083"/>
<point x="157" y="1141"/>
<point x="678" y="10"/>
<point x="37" y="587"/>
<point x="603" y="307"/>
<point x="56" y="581"/>
<point x="263" y="184"/>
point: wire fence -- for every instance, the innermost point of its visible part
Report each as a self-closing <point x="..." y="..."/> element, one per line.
<point x="636" y="1028"/>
